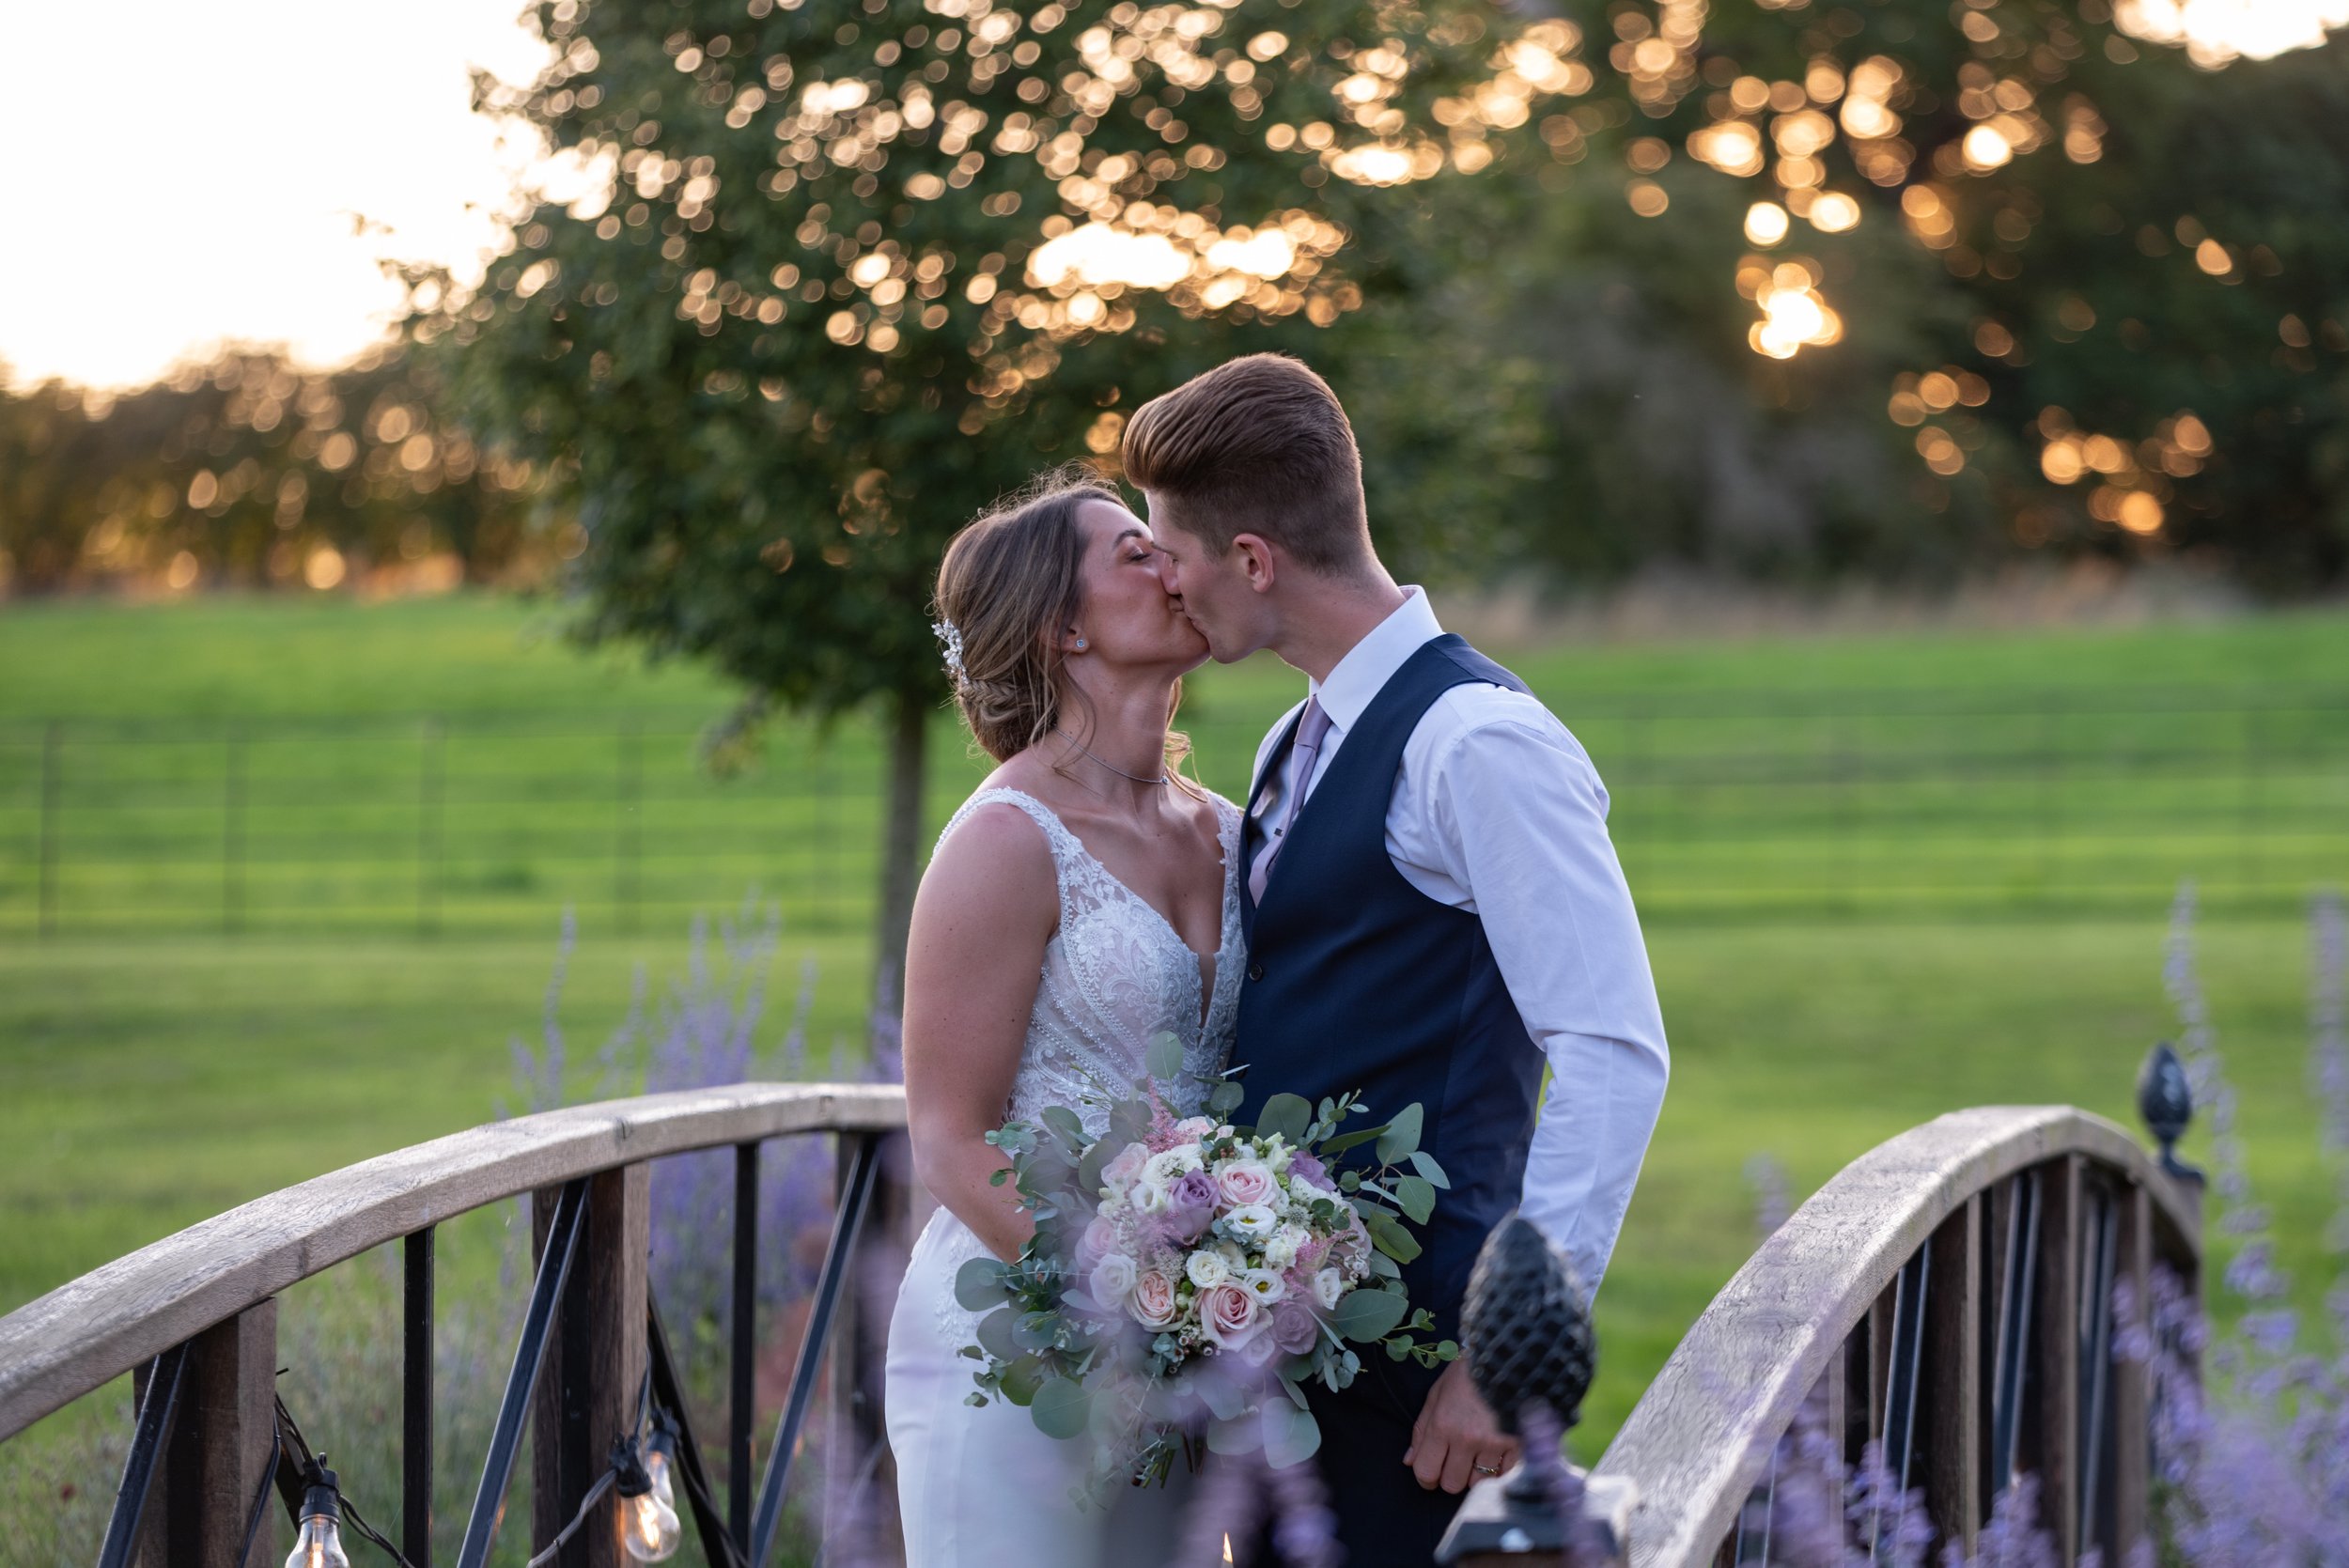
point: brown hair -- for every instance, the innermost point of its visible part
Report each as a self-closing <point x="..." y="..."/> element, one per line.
<point x="1011" y="581"/>
<point x="1256" y="446"/>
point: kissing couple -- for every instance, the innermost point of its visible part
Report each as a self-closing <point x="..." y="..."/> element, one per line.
<point x="1419" y="902"/>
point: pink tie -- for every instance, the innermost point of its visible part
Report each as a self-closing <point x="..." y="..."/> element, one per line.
<point x="1311" y="731"/>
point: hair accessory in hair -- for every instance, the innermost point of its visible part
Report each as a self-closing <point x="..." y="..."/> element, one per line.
<point x="951" y="639"/>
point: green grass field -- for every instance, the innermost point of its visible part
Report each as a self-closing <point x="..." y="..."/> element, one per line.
<point x="158" y="1076"/>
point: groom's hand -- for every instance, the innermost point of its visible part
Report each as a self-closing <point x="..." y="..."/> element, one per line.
<point x="1455" y="1441"/>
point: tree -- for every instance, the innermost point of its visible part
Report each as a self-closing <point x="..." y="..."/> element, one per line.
<point x="1823" y="289"/>
<point x="844" y="275"/>
<point x="247" y="471"/>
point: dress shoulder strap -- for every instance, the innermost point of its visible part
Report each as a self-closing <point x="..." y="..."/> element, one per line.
<point x="1063" y="844"/>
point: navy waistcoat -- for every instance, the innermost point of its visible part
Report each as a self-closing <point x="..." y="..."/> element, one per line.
<point x="1357" y="980"/>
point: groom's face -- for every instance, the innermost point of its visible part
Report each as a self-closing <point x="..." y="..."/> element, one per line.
<point x="1213" y="590"/>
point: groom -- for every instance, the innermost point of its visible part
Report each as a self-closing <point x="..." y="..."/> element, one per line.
<point x="1432" y="907"/>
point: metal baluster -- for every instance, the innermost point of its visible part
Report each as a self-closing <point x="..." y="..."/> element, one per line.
<point x="1903" y="1363"/>
<point x="668" y="1395"/>
<point x="415" y="1449"/>
<point x="855" y="1191"/>
<point x="554" y="1269"/>
<point x="745" y="1334"/>
<point x="157" y="1411"/>
<point x="2015" y="1303"/>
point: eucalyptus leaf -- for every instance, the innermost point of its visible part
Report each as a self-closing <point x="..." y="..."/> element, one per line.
<point x="1089" y="1178"/>
<point x="1165" y="1056"/>
<point x="1022" y="1379"/>
<point x="1237" y="1435"/>
<point x="1388" y="1234"/>
<point x="1344" y="1141"/>
<point x="1363" y="1315"/>
<point x="994" y="1333"/>
<point x="1036" y="1330"/>
<point x="1291" y="1435"/>
<point x="1225" y="1098"/>
<point x="1063" y="1121"/>
<point x="1417" y="1197"/>
<point x="1287" y="1116"/>
<point x="1059" y="1408"/>
<point x="1401" y="1137"/>
<point x="1424" y="1163"/>
<point x="979" y="1283"/>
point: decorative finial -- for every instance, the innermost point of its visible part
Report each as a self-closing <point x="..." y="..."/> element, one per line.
<point x="2165" y="1099"/>
<point x="1525" y="1325"/>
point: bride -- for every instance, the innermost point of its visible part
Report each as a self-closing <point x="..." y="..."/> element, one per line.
<point x="1083" y="901"/>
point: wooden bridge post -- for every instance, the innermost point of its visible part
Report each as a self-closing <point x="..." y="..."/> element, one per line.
<point x="597" y="1357"/>
<point x="223" y="1442"/>
<point x="1954" y="1400"/>
<point x="2051" y="1447"/>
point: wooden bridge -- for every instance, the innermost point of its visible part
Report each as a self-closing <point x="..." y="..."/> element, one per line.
<point x="1949" y="1296"/>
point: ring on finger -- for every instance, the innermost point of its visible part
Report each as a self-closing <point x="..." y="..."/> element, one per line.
<point x="1487" y="1469"/>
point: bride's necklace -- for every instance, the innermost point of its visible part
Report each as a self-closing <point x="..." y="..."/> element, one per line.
<point x="1138" y="778"/>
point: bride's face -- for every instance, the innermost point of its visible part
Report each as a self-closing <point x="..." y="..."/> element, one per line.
<point x="1128" y="617"/>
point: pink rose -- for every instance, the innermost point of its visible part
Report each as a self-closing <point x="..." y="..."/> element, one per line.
<point x="1123" y="1171"/>
<point x="1152" y="1300"/>
<point x="1196" y="1128"/>
<point x="1244" y="1182"/>
<point x="1230" y="1315"/>
<point x="1099" y="1238"/>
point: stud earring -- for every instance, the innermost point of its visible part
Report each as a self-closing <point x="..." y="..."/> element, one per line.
<point x="1080" y="644"/>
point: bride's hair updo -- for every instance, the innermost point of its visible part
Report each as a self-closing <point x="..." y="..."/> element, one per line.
<point x="1011" y="582"/>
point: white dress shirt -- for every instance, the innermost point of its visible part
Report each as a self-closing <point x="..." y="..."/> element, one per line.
<point x="1497" y="811"/>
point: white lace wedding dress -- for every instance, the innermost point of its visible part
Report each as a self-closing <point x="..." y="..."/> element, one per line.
<point x="979" y="1488"/>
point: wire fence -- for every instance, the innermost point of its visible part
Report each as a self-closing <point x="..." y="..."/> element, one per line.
<point x="1725" y="806"/>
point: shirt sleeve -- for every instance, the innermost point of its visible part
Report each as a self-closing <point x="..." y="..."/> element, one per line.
<point x="1519" y="819"/>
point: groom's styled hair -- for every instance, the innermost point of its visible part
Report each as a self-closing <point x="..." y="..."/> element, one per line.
<point x="1256" y="446"/>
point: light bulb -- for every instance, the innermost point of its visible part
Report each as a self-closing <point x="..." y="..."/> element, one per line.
<point x="649" y="1527"/>
<point x="656" y="1467"/>
<point x="320" y="1544"/>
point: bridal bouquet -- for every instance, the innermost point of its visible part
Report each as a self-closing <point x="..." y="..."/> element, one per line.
<point x="1188" y="1273"/>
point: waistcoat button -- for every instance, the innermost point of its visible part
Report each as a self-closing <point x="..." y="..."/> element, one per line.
<point x="1255" y="971"/>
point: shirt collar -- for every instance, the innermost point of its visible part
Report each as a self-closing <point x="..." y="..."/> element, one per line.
<point x="1373" y="661"/>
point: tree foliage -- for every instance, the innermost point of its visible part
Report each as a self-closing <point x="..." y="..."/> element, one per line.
<point x="2074" y="293"/>
<point x="247" y="471"/>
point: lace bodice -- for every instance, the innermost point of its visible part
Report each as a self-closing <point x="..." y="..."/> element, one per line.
<point x="1116" y="974"/>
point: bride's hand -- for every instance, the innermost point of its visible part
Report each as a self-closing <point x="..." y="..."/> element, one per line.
<point x="987" y="907"/>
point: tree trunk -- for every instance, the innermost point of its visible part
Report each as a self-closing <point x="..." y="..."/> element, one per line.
<point x="901" y="846"/>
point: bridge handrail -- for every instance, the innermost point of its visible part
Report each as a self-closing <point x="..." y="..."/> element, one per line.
<point x="118" y="1316"/>
<point x="1703" y="1434"/>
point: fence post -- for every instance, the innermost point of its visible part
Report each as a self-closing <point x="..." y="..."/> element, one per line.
<point x="221" y="1444"/>
<point x="51" y="743"/>
<point x="232" y="838"/>
<point x="599" y="1356"/>
<point x="429" y="828"/>
<point x="627" y="890"/>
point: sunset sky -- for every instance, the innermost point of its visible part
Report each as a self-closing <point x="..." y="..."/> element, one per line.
<point x="196" y="173"/>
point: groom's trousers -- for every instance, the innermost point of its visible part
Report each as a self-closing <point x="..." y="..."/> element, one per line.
<point x="1385" y="1518"/>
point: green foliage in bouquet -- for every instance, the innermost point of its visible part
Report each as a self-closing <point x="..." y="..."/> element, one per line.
<point x="1187" y="1275"/>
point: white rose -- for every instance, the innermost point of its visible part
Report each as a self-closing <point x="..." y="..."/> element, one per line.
<point x="1250" y="1222"/>
<point x="1208" y="1269"/>
<point x="1328" y="1286"/>
<point x="1164" y="1168"/>
<point x="1264" y="1285"/>
<point x="1280" y="1251"/>
<point x="1111" y="1278"/>
<point x="1147" y="1198"/>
